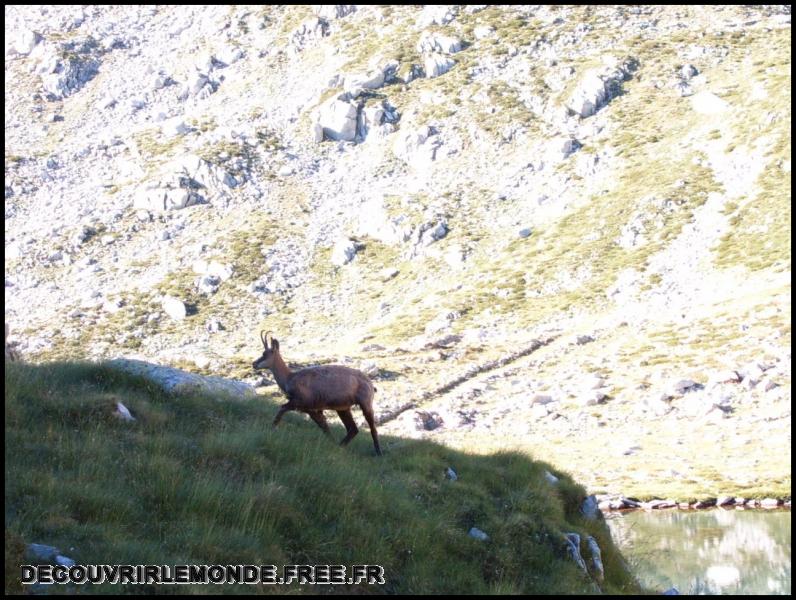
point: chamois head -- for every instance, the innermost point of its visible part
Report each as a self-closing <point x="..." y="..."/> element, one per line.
<point x="266" y="361"/>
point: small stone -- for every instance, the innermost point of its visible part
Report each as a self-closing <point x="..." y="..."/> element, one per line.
<point x="451" y="474"/>
<point x="589" y="508"/>
<point x="123" y="413"/>
<point x="728" y="376"/>
<point x="539" y="411"/>
<point x="214" y="326"/>
<point x="388" y="273"/>
<point x="688" y="71"/>
<point x="478" y="534"/>
<point x="592" y="398"/>
<point x="684" y="385"/>
<point x="64" y="561"/>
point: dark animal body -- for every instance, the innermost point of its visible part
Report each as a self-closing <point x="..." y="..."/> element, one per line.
<point x="313" y="390"/>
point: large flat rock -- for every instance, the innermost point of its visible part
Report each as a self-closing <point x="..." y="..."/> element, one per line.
<point x="176" y="381"/>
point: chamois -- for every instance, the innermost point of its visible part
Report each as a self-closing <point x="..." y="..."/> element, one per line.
<point x="313" y="390"/>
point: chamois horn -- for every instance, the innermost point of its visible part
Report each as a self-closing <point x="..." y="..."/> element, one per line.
<point x="264" y="338"/>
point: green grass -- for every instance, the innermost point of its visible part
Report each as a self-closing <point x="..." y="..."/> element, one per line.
<point x="205" y="481"/>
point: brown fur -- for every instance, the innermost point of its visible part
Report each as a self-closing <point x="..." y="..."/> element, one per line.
<point x="313" y="390"/>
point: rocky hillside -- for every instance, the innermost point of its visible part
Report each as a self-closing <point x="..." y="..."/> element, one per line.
<point x="563" y="230"/>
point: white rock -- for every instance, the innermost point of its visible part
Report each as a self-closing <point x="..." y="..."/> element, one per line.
<point x="369" y="368"/>
<point x="434" y="233"/>
<point x="591" y="398"/>
<point x="123" y="413"/>
<point x="436" y="42"/>
<point x="437" y="14"/>
<point x="596" y="558"/>
<point x="317" y="132"/>
<point x="723" y="575"/>
<point x="573" y="549"/>
<point x="388" y="273"/>
<point x="483" y="31"/>
<point x="343" y="252"/>
<point x="174" y="126"/>
<point x="230" y="54"/>
<point x="208" y="284"/>
<point x="728" y="376"/>
<point x="589" y="95"/>
<point x="334" y="11"/>
<point x="550" y="477"/>
<point x="688" y="71"/>
<point x="707" y="103"/>
<point x="437" y="64"/>
<point x="338" y="120"/>
<point x="64" y="561"/>
<point x="683" y="386"/>
<point x="417" y="147"/>
<point x="539" y="411"/>
<point x="541" y="399"/>
<point x="180" y="382"/>
<point x="173" y="308"/>
<point x="157" y="198"/>
<point x="354" y="84"/>
<point x="592" y="382"/>
<point x="112" y="306"/>
<point x="428" y="421"/>
<point x="23" y="43"/>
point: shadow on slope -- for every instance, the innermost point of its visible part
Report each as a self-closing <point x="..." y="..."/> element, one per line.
<point x="195" y="480"/>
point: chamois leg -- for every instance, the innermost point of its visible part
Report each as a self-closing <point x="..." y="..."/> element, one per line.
<point x="367" y="411"/>
<point x="317" y="416"/>
<point x="282" y="410"/>
<point x="348" y="420"/>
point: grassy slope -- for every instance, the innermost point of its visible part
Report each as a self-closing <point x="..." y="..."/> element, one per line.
<point x="197" y="480"/>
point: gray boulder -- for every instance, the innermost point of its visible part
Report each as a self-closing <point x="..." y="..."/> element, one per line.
<point x="176" y="381"/>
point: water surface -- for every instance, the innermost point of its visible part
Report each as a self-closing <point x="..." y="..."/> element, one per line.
<point x="707" y="551"/>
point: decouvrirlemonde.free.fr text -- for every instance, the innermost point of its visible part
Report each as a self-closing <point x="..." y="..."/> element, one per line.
<point x="204" y="574"/>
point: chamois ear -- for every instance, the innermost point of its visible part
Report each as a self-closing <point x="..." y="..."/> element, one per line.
<point x="274" y="344"/>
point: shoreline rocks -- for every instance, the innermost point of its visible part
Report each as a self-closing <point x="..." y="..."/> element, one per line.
<point x="615" y="503"/>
